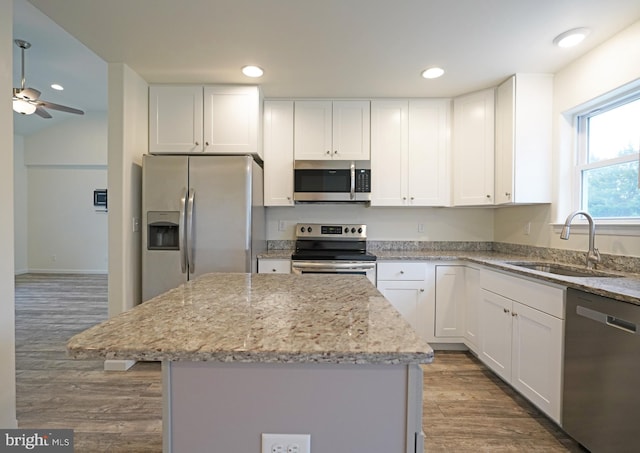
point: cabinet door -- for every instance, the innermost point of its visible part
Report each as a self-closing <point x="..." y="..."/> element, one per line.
<point x="313" y="130"/>
<point x="232" y="119"/>
<point x="278" y="153"/>
<point x="274" y="266"/>
<point x="505" y="141"/>
<point x="175" y="119"/>
<point x="410" y="299"/>
<point x="351" y="130"/>
<point x="428" y="151"/>
<point x="450" y="301"/>
<point x="389" y="140"/>
<point x="537" y="358"/>
<point x="473" y="148"/>
<point x="495" y="333"/>
<point x="473" y="295"/>
<point x="523" y="139"/>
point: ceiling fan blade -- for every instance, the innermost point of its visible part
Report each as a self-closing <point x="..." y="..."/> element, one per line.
<point x="41" y="112"/>
<point x="62" y="108"/>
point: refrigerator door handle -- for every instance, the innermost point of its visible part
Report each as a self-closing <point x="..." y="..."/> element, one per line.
<point x="190" y="257"/>
<point x="181" y="232"/>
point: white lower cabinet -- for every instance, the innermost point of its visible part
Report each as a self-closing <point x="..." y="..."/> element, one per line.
<point x="472" y="301"/>
<point x="410" y="288"/>
<point x="274" y="266"/>
<point x="521" y="325"/>
<point x="450" y="301"/>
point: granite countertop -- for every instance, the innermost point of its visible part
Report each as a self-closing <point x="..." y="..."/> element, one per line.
<point x="285" y="318"/>
<point x="623" y="286"/>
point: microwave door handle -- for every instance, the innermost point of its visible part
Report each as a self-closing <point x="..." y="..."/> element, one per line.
<point x="353" y="181"/>
<point x="181" y="232"/>
<point x="190" y="257"/>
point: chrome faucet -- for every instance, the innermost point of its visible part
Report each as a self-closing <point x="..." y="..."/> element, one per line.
<point x="593" y="255"/>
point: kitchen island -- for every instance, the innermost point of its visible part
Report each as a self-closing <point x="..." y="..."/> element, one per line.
<point x="247" y="354"/>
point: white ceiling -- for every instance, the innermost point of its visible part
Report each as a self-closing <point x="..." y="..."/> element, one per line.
<point x="55" y="56"/>
<point x="322" y="48"/>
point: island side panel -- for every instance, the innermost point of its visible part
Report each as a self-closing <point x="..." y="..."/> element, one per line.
<point x="345" y="407"/>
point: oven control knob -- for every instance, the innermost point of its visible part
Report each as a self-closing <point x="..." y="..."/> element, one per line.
<point x="353" y="230"/>
<point x="302" y="229"/>
<point x="346" y="230"/>
<point x="309" y="229"/>
<point x="359" y="230"/>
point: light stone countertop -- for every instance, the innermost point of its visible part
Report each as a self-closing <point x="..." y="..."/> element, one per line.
<point x="622" y="286"/>
<point x="285" y="318"/>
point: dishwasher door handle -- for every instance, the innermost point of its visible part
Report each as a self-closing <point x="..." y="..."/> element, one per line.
<point x="611" y="321"/>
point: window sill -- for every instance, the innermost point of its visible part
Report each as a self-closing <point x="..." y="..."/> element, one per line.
<point x="603" y="227"/>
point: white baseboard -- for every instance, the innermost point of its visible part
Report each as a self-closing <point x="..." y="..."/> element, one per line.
<point x="67" y="271"/>
<point x="118" y="365"/>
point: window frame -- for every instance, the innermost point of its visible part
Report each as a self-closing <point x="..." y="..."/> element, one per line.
<point x="581" y="121"/>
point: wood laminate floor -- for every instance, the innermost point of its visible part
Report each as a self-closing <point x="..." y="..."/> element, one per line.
<point x="466" y="408"/>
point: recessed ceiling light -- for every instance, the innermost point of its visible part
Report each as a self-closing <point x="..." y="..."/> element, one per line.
<point x="56" y="86"/>
<point x="252" y="71"/>
<point x="571" y="38"/>
<point x="432" y="73"/>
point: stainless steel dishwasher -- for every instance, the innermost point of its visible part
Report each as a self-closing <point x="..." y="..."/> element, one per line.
<point x="601" y="398"/>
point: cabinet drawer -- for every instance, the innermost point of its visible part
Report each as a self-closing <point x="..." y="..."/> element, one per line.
<point x="402" y="271"/>
<point x="274" y="266"/>
<point x="549" y="299"/>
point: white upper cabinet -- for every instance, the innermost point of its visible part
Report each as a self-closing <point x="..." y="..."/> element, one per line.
<point x="473" y="148"/>
<point x="175" y="119"/>
<point x="523" y="139"/>
<point x="332" y="130"/>
<point x="389" y="152"/>
<point x="232" y="119"/>
<point x="410" y="152"/>
<point x="278" y="153"/>
<point x="224" y="119"/>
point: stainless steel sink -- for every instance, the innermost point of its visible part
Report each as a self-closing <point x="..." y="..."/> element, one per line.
<point x="563" y="269"/>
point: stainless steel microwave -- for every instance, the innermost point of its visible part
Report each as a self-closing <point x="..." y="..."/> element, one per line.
<point x="332" y="181"/>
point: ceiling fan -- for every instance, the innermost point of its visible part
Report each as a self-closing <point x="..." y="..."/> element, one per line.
<point x="27" y="100"/>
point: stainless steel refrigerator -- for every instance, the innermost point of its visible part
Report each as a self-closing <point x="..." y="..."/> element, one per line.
<point x="200" y="214"/>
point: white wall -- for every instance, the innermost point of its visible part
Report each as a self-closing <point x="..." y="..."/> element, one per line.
<point x="440" y="224"/>
<point x="128" y="141"/>
<point x="20" y="221"/>
<point x="7" y="293"/>
<point x="605" y="69"/>
<point x="64" y="165"/>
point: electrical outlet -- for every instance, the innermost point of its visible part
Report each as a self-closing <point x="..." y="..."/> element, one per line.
<point x="527" y="228"/>
<point x="421" y="228"/>
<point x="281" y="225"/>
<point x="286" y="443"/>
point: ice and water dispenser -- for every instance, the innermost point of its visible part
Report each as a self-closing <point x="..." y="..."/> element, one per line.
<point x="163" y="230"/>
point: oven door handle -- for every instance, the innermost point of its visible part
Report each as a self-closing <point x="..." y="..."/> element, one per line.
<point x="333" y="266"/>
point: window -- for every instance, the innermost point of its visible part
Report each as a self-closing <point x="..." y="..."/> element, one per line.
<point x="608" y="146"/>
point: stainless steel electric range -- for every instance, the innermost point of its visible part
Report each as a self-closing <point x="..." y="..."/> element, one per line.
<point x="333" y="249"/>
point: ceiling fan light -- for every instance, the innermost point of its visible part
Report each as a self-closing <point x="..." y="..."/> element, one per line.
<point x="23" y="107"/>
<point x="252" y="71"/>
<point x="571" y="38"/>
<point x="432" y="73"/>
